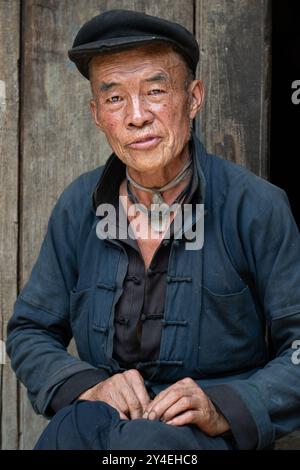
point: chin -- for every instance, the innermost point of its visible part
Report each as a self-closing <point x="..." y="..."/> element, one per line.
<point x="146" y="162"/>
<point x="149" y="167"/>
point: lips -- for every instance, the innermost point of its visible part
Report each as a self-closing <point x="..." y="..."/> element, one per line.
<point x="145" y="142"/>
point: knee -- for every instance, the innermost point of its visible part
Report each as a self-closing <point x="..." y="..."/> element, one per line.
<point x="77" y="426"/>
<point x="142" y="434"/>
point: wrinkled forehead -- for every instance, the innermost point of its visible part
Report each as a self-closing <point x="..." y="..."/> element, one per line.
<point x="136" y="59"/>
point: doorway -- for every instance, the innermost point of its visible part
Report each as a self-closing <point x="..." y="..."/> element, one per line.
<point x="285" y="114"/>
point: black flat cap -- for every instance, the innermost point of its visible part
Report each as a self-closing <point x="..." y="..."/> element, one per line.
<point x="121" y="29"/>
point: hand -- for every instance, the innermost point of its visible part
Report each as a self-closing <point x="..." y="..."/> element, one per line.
<point x="185" y="403"/>
<point x="125" y="392"/>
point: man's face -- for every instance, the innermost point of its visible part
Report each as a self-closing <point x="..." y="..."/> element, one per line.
<point x="143" y="105"/>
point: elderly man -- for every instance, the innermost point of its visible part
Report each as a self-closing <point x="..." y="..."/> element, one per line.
<point x="181" y="345"/>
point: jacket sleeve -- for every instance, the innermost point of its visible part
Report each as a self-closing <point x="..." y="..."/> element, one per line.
<point x="70" y="390"/>
<point x="39" y="331"/>
<point x="270" y="241"/>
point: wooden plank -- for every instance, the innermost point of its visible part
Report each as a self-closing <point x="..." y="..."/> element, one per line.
<point x="234" y="39"/>
<point x="59" y="138"/>
<point x="9" y="111"/>
<point x="289" y="442"/>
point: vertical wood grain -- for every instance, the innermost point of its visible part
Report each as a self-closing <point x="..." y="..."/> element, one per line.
<point x="9" y="113"/>
<point x="234" y="39"/>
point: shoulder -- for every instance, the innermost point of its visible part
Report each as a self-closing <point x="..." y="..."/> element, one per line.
<point x="78" y="194"/>
<point x="236" y="185"/>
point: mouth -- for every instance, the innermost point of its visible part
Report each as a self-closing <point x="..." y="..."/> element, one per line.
<point x="146" y="142"/>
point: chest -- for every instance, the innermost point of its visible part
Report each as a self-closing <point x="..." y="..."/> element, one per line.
<point x="147" y="237"/>
<point x="148" y="249"/>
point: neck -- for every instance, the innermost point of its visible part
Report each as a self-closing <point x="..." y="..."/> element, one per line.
<point x="160" y="177"/>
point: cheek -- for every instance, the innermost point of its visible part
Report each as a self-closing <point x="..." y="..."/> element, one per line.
<point x="165" y="114"/>
<point x="174" y="113"/>
<point x="179" y="125"/>
<point x="181" y="118"/>
<point x="110" y="125"/>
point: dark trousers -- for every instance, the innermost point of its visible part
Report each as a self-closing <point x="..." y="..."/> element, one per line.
<point x="97" y="426"/>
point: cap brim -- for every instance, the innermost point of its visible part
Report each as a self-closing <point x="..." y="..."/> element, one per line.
<point x="81" y="55"/>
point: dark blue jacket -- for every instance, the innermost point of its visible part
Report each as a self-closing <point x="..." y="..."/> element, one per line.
<point x="220" y="301"/>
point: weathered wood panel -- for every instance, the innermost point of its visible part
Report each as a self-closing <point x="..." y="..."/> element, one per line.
<point x="9" y="112"/>
<point x="234" y="39"/>
<point x="290" y="442"/>
<point x="59" y="139"/>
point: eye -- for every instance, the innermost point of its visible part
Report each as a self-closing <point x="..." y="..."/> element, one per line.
<point x="114" y="99"/>
<point x="156" y="91"/>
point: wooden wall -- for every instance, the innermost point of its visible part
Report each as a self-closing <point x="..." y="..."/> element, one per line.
<point x="47" y="137"/>
<point x="9" y="204"/>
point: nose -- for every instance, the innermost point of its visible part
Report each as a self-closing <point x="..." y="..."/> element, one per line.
<point x="138" y="112"/>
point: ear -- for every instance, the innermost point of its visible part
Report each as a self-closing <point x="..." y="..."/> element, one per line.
<point x="94" y="111"/>
<point x="196" y="93"/>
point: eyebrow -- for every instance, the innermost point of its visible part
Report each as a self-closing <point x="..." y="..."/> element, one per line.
<point x="159" y="77"/>
<point x="107" y="86"/>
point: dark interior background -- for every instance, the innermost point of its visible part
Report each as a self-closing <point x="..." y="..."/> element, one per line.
<point x="285" y="116"/>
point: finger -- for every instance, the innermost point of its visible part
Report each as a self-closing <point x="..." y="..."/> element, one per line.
<point x="160" y="396"/>
<point x="159" y="408"/>
<point x="136" y="381"/>
<point x="159" y="405"/>
<point x="121" y="404"/>
<point x="122" y="415"/>
<point x="188" y="402"/>
<point x="133" y="403"/>
<point x="204" y="420"/>
<point x="186" y="383"/>
<point x="188" y="417"/>
<point x="116" y="395"/>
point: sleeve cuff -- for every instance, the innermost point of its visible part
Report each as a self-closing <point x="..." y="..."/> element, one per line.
<point x="76" y="385"/>
<point x="232" y="407"/>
